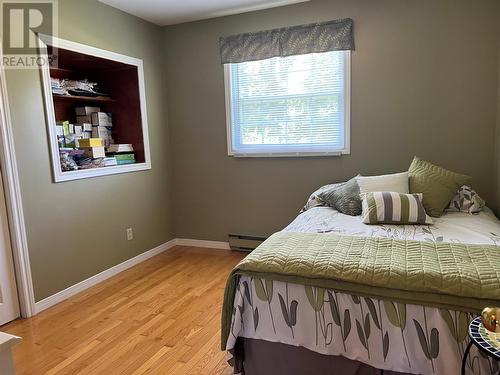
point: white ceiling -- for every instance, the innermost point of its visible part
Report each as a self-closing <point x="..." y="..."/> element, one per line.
<point x="169" y="12"/>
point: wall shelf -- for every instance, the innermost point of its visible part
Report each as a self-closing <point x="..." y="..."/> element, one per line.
<point x="88" y="99"/>
<point x="121" y="77"/>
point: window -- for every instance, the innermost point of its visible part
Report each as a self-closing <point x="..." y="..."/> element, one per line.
<point x="289" y="106"/>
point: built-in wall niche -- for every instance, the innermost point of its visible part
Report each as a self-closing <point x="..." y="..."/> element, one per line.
<point x="96" y="111"/>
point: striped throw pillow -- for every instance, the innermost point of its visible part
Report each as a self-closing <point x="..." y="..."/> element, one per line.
<point x="393" y="208"/>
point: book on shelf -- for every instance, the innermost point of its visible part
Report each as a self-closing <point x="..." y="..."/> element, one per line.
<point x="110" y="161"/>
<point x="121" y="147"/>
<point x="122" y="159"/>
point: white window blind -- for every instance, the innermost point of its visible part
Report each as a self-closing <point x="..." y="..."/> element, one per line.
<point x="295" y="105"/>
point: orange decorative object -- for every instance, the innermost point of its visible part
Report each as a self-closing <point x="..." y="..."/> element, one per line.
<point x="490" y="318"/>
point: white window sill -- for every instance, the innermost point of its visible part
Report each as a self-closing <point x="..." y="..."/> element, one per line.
<point x="288" y="154"/>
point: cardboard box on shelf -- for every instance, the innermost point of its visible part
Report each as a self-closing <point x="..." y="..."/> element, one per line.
<point x="86" y="111"/>
<point x="69" y="141"/>
<point x="121" y="147"/>
<point x="61" y="141"/>
<point x="79" y="130"/>
<point x="87" y="127"/>
<point x="65" y="126"/>
<point x="59" y="130"/>
<point x="104" y="133"/>
<point x="87" y="135"/>
<point x="91" y="142"/>
<point x="87" y="119"/>
<point x="94" y="152"/>
<point x="101" y="119"/>
<point x="78" y="139"/>
<point x="101" y="132"/>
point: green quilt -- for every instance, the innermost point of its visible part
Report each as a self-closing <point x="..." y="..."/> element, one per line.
<point x="451" y="275"/>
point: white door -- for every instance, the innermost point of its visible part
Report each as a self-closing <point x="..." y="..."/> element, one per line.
<point x="9" y="304"/>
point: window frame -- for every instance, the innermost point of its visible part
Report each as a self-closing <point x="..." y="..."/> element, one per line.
<point x="347" y="119"/>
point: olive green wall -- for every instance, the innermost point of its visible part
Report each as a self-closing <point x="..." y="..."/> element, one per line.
<point x="497" y="153"/>
<point x="423" y="83"/>
<point x="77" y="229"/>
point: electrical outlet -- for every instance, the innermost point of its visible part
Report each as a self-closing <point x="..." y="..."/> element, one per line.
<point x="130" y="234"/>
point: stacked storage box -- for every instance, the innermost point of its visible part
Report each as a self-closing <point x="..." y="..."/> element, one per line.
<point x="101" y="127"/>
<point x="91" y="137"/>
<point x="84" y="119"/>
<point x="93" y="147"/>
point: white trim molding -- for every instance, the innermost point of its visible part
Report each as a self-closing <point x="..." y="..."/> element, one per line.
<point x="14" y="204"/>
<point x="273" y="151"/>
<point x="203" y="243"/>
<point x="104" y="275"/>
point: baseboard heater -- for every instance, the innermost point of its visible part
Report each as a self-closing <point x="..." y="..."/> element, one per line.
<point x="244" y="242"/>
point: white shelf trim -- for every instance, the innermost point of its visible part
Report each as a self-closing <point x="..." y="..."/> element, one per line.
<point x="59" y="175"/>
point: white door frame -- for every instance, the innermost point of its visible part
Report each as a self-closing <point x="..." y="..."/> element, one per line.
<point x="14" y="204"/>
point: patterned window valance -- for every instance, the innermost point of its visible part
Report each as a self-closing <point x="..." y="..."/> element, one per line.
<point x="296" y="40"/>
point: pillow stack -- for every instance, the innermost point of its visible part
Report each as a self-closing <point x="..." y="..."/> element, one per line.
<point x="412" y="197"/>
<point x="386" y="200"/>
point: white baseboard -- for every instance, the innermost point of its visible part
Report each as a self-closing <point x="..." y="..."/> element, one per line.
<point x="93" y="280"/>
<point x="203" y="243"/>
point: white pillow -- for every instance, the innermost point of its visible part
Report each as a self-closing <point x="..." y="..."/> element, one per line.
<point x="397" y="182"/>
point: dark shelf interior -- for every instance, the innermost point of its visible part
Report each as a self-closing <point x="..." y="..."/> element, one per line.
<point x="119" y="80"/>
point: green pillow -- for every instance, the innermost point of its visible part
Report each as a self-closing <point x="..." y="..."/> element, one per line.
<point x="437" y="185"/>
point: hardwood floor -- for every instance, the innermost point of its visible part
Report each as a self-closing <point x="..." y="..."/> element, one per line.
<point x="159" y="317"/>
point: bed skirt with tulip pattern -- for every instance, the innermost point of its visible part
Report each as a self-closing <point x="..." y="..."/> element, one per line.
<point x="383" y="334"/>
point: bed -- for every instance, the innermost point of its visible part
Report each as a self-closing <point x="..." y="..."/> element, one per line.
<point x="286" y="311"/>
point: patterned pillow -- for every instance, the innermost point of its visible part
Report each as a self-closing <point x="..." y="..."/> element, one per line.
<point x="385" y="207"/>
<point x="314" y="200"/>
<point x="344" y="198"/>
<point x="466" y="200"/>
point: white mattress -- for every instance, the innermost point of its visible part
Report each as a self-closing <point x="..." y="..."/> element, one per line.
<point x="482" y="228"/>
